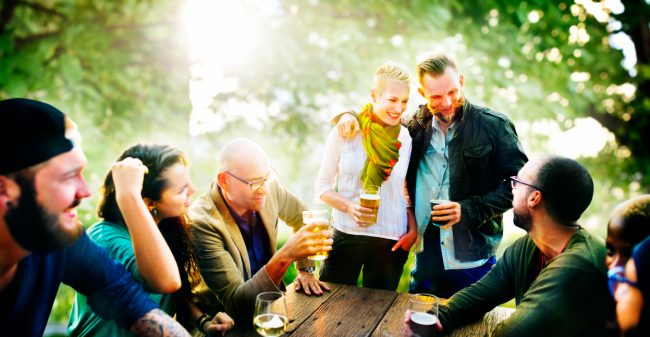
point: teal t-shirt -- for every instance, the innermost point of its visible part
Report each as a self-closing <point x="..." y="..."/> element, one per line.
<point x="83" y="321"/>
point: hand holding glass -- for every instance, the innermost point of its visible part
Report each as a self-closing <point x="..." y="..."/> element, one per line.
<point x="421" y="316"/>
<point x="438" y="197"/>
<point x="321" y="218"/>
<point x="369" y="197"/>
<point x="271" y="315"/>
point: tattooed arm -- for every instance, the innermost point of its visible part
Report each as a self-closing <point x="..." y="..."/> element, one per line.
<point x="157" y="323"/>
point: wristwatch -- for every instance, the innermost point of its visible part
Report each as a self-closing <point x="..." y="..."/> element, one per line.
<point x="308" y="269"/>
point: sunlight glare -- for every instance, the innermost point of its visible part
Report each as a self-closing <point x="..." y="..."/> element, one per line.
<point x="218" y="31"/>
<point x="585" y="139"/>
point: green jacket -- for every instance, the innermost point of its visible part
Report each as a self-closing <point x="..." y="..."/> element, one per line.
<point x="568" y="298"/>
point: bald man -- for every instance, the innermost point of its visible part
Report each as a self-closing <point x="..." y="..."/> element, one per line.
<point x="234" y="227"/>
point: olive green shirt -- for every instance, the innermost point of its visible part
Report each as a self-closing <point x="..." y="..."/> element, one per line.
<point x="569" y="297"/>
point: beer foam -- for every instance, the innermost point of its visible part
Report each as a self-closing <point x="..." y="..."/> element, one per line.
<point x="370" y="196"/>
<point x="424" y="318"/>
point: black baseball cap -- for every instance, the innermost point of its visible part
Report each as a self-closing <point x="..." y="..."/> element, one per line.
<point x="31" y="132"/>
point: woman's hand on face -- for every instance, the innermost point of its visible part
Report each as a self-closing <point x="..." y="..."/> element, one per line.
<point x="128" y="175"/>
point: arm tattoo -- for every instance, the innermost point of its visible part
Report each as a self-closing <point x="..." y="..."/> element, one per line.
<point x="157" y="323"/>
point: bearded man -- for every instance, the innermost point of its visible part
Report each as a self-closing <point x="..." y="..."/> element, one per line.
<point x="556" y="272"/>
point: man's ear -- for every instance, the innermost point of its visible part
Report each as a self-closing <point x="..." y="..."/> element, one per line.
<point x="461" y="79"/>
<point x="534" y="199"/>
<point x="222" y="181"/>
<point x="8" y="190"/>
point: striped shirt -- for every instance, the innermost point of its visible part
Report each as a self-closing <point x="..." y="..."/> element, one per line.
<point x="341" y="169"/>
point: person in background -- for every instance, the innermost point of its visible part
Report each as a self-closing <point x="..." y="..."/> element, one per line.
<point x="632" y="293"/>
<point x="42" y="243"/>
<point x="235" y="228"/>
<point x="556" y="272"/>
<point x="378" y="156"/>
<point x="629" y="225"/>
<point x="144" y="201"/>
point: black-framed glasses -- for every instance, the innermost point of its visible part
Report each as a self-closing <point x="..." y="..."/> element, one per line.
<point x="514" y="180"/>
<point x="254" y="184"/>
<point x="615" y="277"/>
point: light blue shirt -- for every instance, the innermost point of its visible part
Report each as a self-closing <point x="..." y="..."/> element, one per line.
<point x="433" y="172"/>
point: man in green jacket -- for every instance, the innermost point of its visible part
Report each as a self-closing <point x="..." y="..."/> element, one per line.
<point x="556" y="272"/>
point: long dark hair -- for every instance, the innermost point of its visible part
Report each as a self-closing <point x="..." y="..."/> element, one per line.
<point x="158" y="158"/>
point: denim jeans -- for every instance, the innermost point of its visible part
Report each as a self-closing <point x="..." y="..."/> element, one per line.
<point x="430" y="276"/>
<point x="382" y="268"/>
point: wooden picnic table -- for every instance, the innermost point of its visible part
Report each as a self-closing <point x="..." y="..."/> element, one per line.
<point x="352" y="311"/>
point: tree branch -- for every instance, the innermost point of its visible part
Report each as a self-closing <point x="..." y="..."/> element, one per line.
<point x="7" y="13"/>
<point x="22" y="41"/>
<point x="40" y="8"/>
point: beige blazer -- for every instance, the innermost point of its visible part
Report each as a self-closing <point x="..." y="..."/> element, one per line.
<point x="222" y="254"/>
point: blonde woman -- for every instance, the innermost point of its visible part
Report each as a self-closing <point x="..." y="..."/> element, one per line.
<point x="378" y="156"/>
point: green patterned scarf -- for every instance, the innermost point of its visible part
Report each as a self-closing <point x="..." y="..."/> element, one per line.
<point x="381" y="146"/>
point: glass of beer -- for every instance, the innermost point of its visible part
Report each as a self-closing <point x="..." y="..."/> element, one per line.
<point x="369" y="198"/>
<point x="321" y="218"/>
<point x="271" y="315"/>
<point x="421" y="316"/>
<point x="438" y="197"/>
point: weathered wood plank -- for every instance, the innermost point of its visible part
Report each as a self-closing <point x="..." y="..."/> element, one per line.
<point x="350" y="312"/>
<point x="393" y="321"/>
<point x="301" y="306"/>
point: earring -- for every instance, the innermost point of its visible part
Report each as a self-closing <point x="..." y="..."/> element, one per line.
<point x="154" y="211"/>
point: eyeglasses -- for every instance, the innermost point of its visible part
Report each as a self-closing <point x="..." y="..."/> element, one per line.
<point x="514" y="180"/>
<point x="615" y="277"/>
<point x="254" y="184"/>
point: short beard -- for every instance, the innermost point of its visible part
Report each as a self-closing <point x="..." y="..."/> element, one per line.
<point x="33" y="227"/>
<point x="446" y="120"/>
<point x="523" y="221"/>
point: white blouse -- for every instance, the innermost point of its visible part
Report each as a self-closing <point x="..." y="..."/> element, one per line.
<point x="341" y="168"/>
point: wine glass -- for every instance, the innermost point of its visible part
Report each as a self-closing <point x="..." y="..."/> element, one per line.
<point x="271" y="315"/>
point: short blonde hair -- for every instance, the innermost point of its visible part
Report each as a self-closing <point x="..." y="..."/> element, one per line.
<point x="390" y="71"/>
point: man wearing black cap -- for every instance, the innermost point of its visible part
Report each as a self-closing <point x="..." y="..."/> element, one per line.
<point x="556" y="272"/>
<point x="41" y="241"/>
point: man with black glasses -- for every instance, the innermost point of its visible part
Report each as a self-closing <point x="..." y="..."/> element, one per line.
<point x="556" y="272"/>
<point x="234" y="227"/>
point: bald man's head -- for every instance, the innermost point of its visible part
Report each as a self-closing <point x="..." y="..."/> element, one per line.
<point x="241" y="152"/>
<point x="244" y="175"/>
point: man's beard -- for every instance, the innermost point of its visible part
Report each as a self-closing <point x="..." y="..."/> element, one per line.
<point x="449" y="118"/>
<point x="33" y="227"/>
<point x="522" y="220"/>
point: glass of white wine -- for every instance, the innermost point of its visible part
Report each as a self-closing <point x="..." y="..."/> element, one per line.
<point x="271" y="315"/>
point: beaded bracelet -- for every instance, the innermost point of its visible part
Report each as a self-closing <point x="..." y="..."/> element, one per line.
<point x="201" y="321"/>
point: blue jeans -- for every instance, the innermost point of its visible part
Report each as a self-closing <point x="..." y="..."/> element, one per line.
<point x="382" y="268"/>
<point x="430" y="276"/>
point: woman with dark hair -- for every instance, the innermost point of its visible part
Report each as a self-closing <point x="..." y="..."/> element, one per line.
<point x="144" y="201"/>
